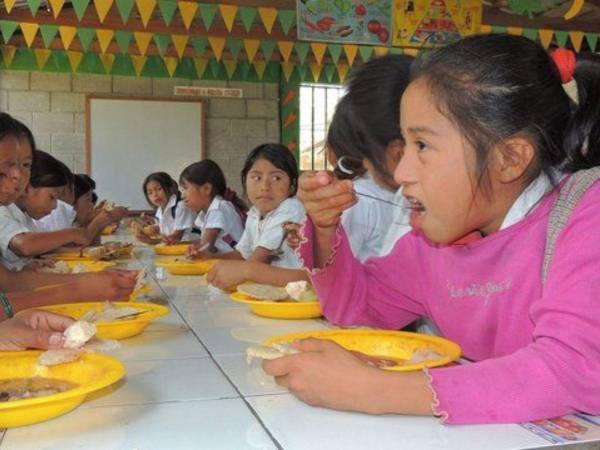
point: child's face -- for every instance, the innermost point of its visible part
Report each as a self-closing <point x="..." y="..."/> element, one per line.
<point x="267" y="186"/>
<point x="437" y="171"/>
<point x="39" y="202"/>
<point x="15" y="168"/>
<point x="197" y="198"/>
<point x="84" y="208"/>
<point x="67" y="194"/>
<point x="156" y="194"/>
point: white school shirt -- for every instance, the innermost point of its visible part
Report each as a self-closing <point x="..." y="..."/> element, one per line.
<point x="61" y="217"/>
<point x="13" y="221"/>
<point x="400" y="224"/>
<point x="367" y="223"/>
<point x="267" y="232"/>
<point x="183" y="220"/>
<point x="221" y="214"/>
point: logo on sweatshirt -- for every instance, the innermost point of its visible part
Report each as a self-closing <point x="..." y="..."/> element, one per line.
<point x="476" y="290"/>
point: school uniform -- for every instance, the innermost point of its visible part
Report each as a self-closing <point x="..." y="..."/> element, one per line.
<point x="13" y="221"/>
<point x="267" y="232"/>
<point x="175" y="216"/>
<point x="221" y="214"/>
<point x="61" y="217"/>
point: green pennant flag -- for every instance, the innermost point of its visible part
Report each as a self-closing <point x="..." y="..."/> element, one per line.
<point x="365" y="52"/>
<point x="234" y="46"/>
<point x="85" y="37"/>
<point x="48" y="33"/>
<point x="123" y="38"/>
<point x="80" y="6"/>
<point x="24" y="60"/>
<point x="215" y="68"/>
<point x="498" y="30"/>
<point x="335" y="50"/>
<point x="125" y="7"/>
<point x="155" y="67"/>
<point x="243" y="69"/>
<point x="531" y="33"/>
<point x="329" y="72"/>
<point x="8" y="27"/>
<point x="247" y="14"/>
<point x="561" y="38"/>
<point x="34" y="5"/>
<point x="302" y="49"/>
<point x="199" y="44"/>
<point x="58" y="62"/>
<point x="207" y="13"/>
<point x="267" y="48"/>
<point x="592" y="39"/>
<point x="286" y="18"/>
<point x="167" y="9"/>
<point x="302" y="71"/>
<point x="162" y="42"/>
<point x="122" y="65"/>
<point x="396" y="51"/>
<point x="186" y="69"/>
<point x="90" y="63"/>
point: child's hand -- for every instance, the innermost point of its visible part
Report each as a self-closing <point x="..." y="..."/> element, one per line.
<point x="198" y="250"/>
<point x="38" y="264"/>
<point x="226" y="274"/>
<point x="33" y="329"/>
<point x="82" y="237"/>
<point x="150" y="230"/>
<point x="111" y="285"/>
<point x="172" y="238"/>
<point x="118" y="213"/>
<point x="293" y="234"/>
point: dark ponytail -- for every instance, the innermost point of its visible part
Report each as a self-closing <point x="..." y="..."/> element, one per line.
<point x="47" y="171"/>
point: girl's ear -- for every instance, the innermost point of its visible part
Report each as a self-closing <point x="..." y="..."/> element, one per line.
<point x="512" y="159"/>
<point x="206" y="188"/>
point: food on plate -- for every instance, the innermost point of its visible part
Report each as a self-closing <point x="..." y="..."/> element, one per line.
<point x="273" y="351"/>
<point x="263" y="291"/>
<point x="301" y="291"/>
<point x="24" y="388"/>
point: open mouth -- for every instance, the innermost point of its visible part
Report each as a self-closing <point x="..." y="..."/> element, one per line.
<point x="414" y="205"/>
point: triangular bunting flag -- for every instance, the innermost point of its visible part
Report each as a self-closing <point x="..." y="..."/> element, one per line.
<point x="485" y="29"/>
<point x="48" y="33"/>
<point x="496" y="29"/>
<point x="9" y="4"/>
<point x="350" y="51"/>
<point x="234" y="46"/>
<point x="8" y="54"/>
<point x="104" y="38"/>
<point x="381" y="51"/>
<point x="516" y="31"/>
<point x="8" y="28"/>
<point x="285" y="48"/>
<point x="545" y="37"/>
<point x="561" y="38"/>
<point x="167" y="9"/>
<point x="247" y="14"/>
<point x="342" y="70"/>
<point x="138" y="62"/>
<point x="162" y="42"/>
<point x="108" y="60"/>
<point x="41" y="56"/>
<point x="267" y="48"/>
<point x="200" y="65"/>
<point x="57" y="6"/>
<point x="302" y="49"/>
<point x="228" y="13"/>
<point x="287" y="17"/>
<point x="188" y="12"/>
<point x="142" y="40"/>
<point x="180" y="43"/>
<point x="530" y="33"/>
<point x="74" y="59"/>
<point x="302" y="71"/>
<point x="243" y="68"/>
<point x="66" y="35"/>
<point x="365" y="52"/>
<point x="217" y="44"/>
<point x="123" y="38"/>
<point x="396" y="51"/>
<point x="86" y="35"/>
<point x="102" y="8"/>
<point x="146" y="8"/>
<point x="124" y="7"/>
<point x="199" y="44"/>
<point x="335" y="50"/>
<point x="287" y="68"/>
<point x="576" y="39"/>
<point x="170" y="64"/>
<point x="318" y="49"/>
<point x="34" y="5"/>
<point x="268" y="16"/>
<point x="259" y="67"/>
<point x="315" y="69"/>
<point x="207" y="13"/>
<point x="29" y="31"/>
<point x="80" y="7"/>
<point x="329" y="72"/>
<point x="251" y="47"/>
<point x="230" y="66"/>
<point x="215" y="68"/>
<point x="592" y="39"/>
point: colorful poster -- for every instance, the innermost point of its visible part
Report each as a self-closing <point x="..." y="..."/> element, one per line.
<point x="346" y="21"/>
<point x="427" y="23"/>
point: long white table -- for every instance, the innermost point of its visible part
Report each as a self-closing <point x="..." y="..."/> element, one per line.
<point x="188" y="387"/>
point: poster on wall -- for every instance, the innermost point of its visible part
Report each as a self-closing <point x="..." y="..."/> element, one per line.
<point x="345" y="21"/>
<point x="428" y="23"/>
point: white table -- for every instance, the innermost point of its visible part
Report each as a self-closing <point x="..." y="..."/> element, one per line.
<point x="188" y="387"/>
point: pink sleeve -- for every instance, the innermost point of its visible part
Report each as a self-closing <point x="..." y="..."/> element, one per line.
<point x="559" y="372"/>
<point x="352" y="293"/>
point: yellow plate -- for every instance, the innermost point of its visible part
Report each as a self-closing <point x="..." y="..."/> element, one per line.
<point x="393" y="345"/>
<point x="279" y="310"/>
<point x="91" y="372"/>
<point x="108" y="230"/>
<point x="118" y="329"/>
<point x="198" y="267"/>
<point x="69" y="256"/>
<point x="91" y="266"/>
<point x="176" y="249"/>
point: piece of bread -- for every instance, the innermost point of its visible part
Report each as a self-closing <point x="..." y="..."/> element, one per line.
<point x="273" y="351"/>
<point x="263" y="291"/>
<point x="59" y="356"/>
<point x="78" y="334"/>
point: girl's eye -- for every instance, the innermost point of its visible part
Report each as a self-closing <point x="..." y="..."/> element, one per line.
<point x="421" y="146"/>
<point x="276" y="178"/>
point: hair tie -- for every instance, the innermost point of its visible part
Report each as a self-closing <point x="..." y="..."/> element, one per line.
<point x="566" y="62"/>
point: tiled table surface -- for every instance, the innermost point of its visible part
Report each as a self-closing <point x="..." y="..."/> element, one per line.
<point x="188" y="387"/>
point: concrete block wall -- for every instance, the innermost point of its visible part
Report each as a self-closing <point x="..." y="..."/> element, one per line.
<point x="53" y="106"/>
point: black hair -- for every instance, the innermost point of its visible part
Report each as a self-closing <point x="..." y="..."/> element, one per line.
<point x="67" y="172"/>
<point x="11" y="127"/>
<point x="166" y="182"/>
<point x="94" y="198"/>
<point x="47" y="171"/>
<point x="88" y="179"/>
<point x="82" y="185"/>
<point x="278" y="155"/>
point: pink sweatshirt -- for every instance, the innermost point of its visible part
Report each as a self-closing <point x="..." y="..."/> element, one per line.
<point x="536" y="347"/>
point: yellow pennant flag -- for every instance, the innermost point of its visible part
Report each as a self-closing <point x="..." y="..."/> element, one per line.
<point x="104" y="38"/>
<point x="200" y="64"/>
<point x="516" y="31"/>
<point x="8" y="54"/>
<point x="230" y="65"/>
<point x="188" y="12"/>
<point x="318" y="49"/>
<point x="288" y="69"/>
<point x="180" y="42"/>
<point x="350" y="50"/>
<point x="217" y="44"/>
<point x="75" y="59"/>
<point x="29" y="32"/>
<point x="146" y="8"/>
<point x="342" y="70"/>
<point x="142" y="39"/>
<point x="170" y="64"/>
<point x="138" y="63"/>
<point x="285" y="48"/>
<point x="316" y="70"/>
<point x="228" y="13"/>
<point x="546" y="37"/>
<point x="9" y="4"/>
<point x="66" y="35"/>
<point x="108" y="60"/>
<point x="576" y="39"/>
<point x="41" y="56"/>
<point x="485" y="29"/>
<point x="260" y="67"/>
<point x="251" y="46"/>
<point x="57" y="6"/>
<point x="102" y="8"/>
<point x="268" y="16"/>
<point x="411" y="52"/>
<point x="381" y="51"/>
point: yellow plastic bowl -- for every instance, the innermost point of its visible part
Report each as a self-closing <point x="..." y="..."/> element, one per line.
<point x="118" y="329"/>
<point x="91" y="266"/>
<point x="394" y="345"/>
<point x="69" y="256"/>
<point x="279" y="310"/>
<point x="199" y="267"/>
<point x="91" y="373"/>
<point x="176" y="249"/>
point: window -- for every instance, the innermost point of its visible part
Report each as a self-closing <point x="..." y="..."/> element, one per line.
<point x="317" y="105"/>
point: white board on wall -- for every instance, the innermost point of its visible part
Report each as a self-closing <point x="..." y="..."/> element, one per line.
<point x="128" y="138"/>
